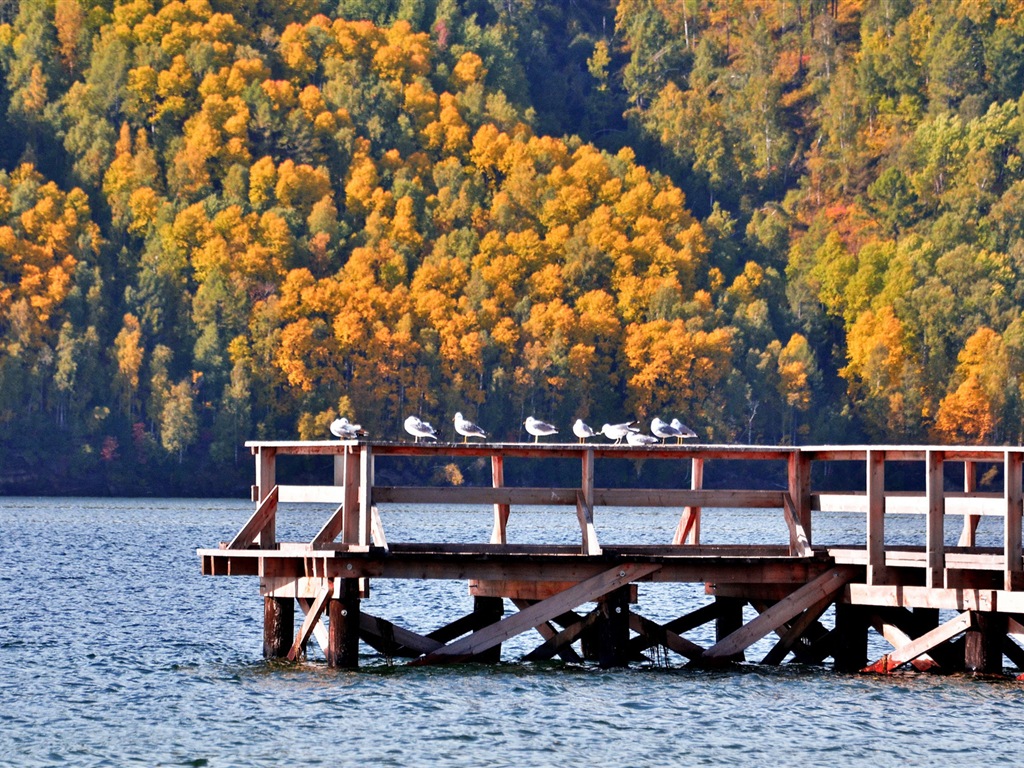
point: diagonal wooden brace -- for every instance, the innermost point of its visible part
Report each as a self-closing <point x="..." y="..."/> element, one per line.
<point x="924" y="643"/>
<point x="783" y="611"/>
<point x="538" y="613"/>
<point x="263" y="516"/>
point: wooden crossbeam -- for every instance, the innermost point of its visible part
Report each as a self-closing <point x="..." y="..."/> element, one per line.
<point x="682" y="624"/>
<point x="927" y="641"/>
<point x="563" y="639"/>
<point x="566" y="619"/>
<point x="319" y="630"/>
<point x="313" y="615"/>
<point x="261" y="518"/>
<point x="897" y="638"/>
<point x="330" y="530"/>
<point x="393" y="640"/>
<point x="806" y="596"/>
<point x="796" y="630"/>
<point x="661" y="635"/>
<point x="538" y="613"/>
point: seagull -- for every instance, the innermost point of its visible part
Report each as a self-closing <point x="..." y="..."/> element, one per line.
<point x="582" y="431"/>
<point x="637" y="439"/>
<point x="467" y="428"/>
<point x="618" y="431"/>
<point x="346" y="430"/>
<point x="419" y="429"/>
<point x="536" y="427"/>
<point x="684" y="431"/>
<point x="664" y="429"/>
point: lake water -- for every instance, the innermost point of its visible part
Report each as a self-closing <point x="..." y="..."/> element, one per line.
<point x="115" y="651"/>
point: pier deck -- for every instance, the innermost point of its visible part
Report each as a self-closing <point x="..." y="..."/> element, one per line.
<point x="896" y="591"/>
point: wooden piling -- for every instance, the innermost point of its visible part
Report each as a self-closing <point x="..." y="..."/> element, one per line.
<point x="278" y="626"/>
<point x="343" y="625"/>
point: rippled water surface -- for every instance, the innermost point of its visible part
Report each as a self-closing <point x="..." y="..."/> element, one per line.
<point x="115" y="651"/>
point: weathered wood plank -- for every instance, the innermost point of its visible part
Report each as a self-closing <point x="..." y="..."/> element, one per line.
<point x="540" y="612"/>
<point x="603" y="497"/>
<point x="824" y="586"/>
<point x="911" y="650"/>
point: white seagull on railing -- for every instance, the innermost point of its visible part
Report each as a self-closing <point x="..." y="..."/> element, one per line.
<point x="417" y="428"/>
<point x="344" y="429"/>
<point x="663" y="429"/>
<point x="684" y="431"/>
<point x="618" y="431"/>
<point x="467" y="428"/>
<point x="638" y="439"/>
<point x="537" y="428"/>
<point x="582" y="430"/>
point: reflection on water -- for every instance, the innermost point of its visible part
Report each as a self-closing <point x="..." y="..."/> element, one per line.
<point x="116" y="651"/>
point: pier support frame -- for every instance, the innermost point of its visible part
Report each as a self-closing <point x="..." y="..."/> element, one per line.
<point x="850" y="651"/>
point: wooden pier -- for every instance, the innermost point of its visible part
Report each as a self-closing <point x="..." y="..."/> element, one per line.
<point x="939" y="607"/>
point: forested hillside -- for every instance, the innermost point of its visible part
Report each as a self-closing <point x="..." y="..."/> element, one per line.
<point x="783" y="222"/>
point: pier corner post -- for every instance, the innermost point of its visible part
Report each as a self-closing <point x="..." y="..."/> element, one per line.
<point x="278" y="626"/>
<point x="343" y="625"/>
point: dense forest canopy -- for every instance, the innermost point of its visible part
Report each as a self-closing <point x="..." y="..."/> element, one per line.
<point x="786" y="221"/>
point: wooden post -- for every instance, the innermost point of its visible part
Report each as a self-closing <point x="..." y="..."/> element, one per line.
<point x="343" y="625"/>
<point x="934" y="524"/>
<point x="1012" y="477"/>
<point x="266" y="472"/>
<point x="850" y="648"/>
<point x="499" y="534"/>
<point x="585" y="506"/>
<point x="688" y="530"/>
<point x="983" y="643"/>
<point x="611" y="632"/>
<point x="350" y="526"/>
<point x="799" y="472"/>
<point x="363" y="535"/>
<point x="488" y="611"/>
<point x="968" y="536"/>
<point x="876" y="518"/>
<point x="729" y="619"/>
<point x="278" y="626"/>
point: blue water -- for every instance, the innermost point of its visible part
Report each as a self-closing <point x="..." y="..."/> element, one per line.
<point x="115" y="651"/>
